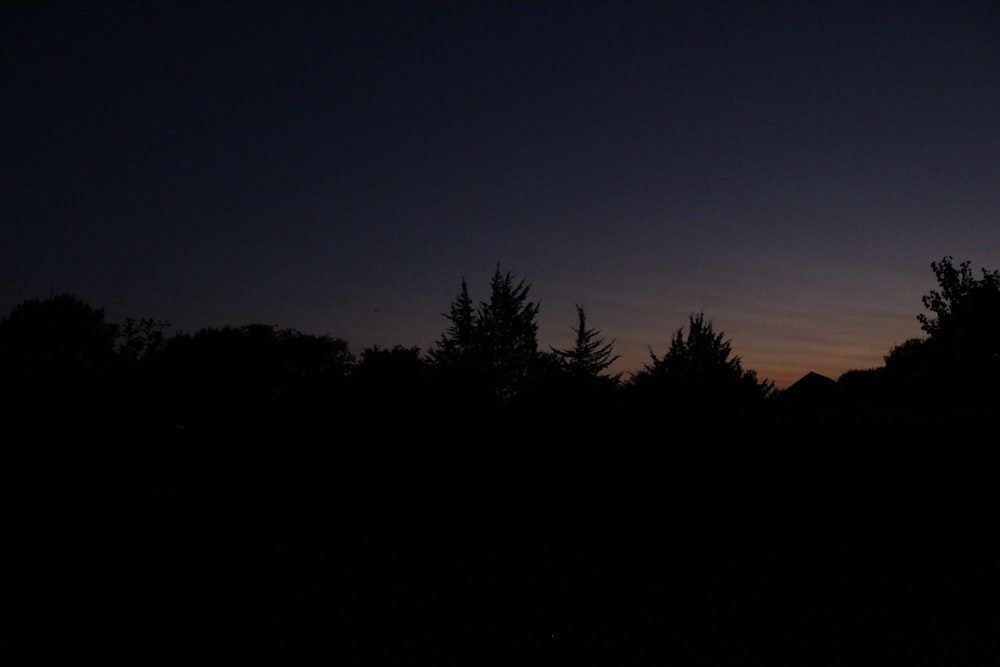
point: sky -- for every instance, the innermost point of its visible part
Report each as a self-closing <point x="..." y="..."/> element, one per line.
<point x="788" y="169"/>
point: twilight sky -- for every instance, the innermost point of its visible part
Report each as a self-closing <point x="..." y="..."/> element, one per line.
<point x="790" y="169"/>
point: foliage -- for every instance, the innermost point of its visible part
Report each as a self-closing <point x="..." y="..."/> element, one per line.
<point x="398" y="371"/>
<point x="457" y="346"/>
<point x="700" y="368"/>
<point x="507" y="330"/>
<point x="953" y="370"/>
<point x="963" y="303"/>
<point x="908" y="359"/>
<point x="56" y="361"/>
<point x="495" y="347"/>
<point x="59" y="334"/>
<point x="139" y="338"/>
<point x="590" y="356"/>
<point x="258" y="351"/>
<point x="964" y="334"/>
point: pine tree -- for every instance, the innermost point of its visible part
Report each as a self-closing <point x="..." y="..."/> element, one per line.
<point x="494" y="347"/>
<point x="457" y="345"/>
<point x="590" y="356"/>
<point x="507" y="331"/>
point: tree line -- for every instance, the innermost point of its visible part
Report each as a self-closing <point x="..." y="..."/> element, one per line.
<point x="489" y="468"/>
<point x="62" y="358"/>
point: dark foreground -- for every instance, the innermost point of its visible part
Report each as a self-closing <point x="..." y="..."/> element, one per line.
<point x="780" y="550"/>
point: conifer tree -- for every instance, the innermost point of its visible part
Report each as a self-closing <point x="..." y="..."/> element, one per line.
<point x="457" y="345"/>
<point x="507" y="332"/>
<point x="590" y="356"/>
<point x="495" y="346"/>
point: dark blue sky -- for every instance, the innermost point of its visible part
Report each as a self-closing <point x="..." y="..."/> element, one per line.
<point x="791" y="169"/>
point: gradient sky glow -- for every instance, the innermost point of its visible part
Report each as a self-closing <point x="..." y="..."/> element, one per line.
<point x="790" y="169"/>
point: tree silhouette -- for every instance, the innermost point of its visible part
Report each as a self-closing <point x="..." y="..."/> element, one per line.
<point x="494" y="348"/>
<point x="579" y="456"/>
<point x="394" y="380"/>
<point x="249" y="382"/>
<point x="964" y="333"/>
<point x="59" y="334"/>
<point x="139" y="338"/>
<point x="935" y="388"/>
<point x="457" y="345"/>
<point x="699" y="374"/>
<point x="961" y="356"/>
<point x="590" y="356"/>
<point x="507" y="330"/>
<point x="56" y="358"/>
<point x="964" y="305"/>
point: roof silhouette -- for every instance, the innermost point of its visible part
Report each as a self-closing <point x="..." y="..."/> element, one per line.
<point x="810" y="388"/>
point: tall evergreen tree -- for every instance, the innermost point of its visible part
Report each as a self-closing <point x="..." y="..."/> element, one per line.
<point x="493" y="347"/>
<point x="457" y="345"/>
<point x="590" y="356"/>
<point x="507" y="331"/>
